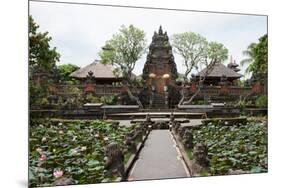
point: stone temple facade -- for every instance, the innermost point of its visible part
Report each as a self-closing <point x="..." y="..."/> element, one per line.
<point x="160" y="69"/>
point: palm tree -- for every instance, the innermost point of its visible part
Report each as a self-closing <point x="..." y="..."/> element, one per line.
<point x="250" y="57"/>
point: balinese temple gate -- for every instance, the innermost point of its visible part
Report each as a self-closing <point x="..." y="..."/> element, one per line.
<point x="160" y="69"/>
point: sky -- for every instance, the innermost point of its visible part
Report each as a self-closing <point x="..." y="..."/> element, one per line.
<point x="79" y="31"/>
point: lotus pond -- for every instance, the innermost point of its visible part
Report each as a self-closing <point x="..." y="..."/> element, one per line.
<point x="72" y="149"/>
<point x="240" y="148"/>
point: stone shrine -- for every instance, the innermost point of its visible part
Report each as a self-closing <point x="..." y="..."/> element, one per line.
<point x="160" y="69"/>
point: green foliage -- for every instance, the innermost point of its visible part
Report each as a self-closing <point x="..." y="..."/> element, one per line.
<point x="196" y="50"/>
<point x="261" y="101"/>
<point x="192" y="47"/>
<point x="257" y="57"/>
<point x="65" y="70"/>
<point x="124" y="49"/>
<point x="42" y="58"/>
<point x="216" y="52"/>
<point x="75" y="147"/>
<point x="244" y="103"/>
<point x="40" y="52"/>
<point x="236" y="147"/>
<point x="111" y="99"/>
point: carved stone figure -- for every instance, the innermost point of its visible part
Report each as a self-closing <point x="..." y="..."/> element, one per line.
<point x="181" y="131"/>
<point x="63" y="181"/>
<point x="200" y="154"/>
<point x="200" y="161"/>
<point x="172" y="117"/>
<point x="114" y="160"/>
<point x="138" y="133"/>
<point x="187" y="139"/>
<point x="147" y="118"/>
<point x="130" y="143"/>
<point x="177" y="126"/>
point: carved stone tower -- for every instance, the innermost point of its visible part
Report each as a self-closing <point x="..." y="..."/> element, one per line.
<point x="160" y="69"/>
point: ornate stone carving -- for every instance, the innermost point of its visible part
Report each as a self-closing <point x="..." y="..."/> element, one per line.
<point x="187" y="139"/>
<point x="172" y="118"/>
<point x="114" y="160"/>
<point x="160" y="61"/>
<point x="177" y="126"/>
<point x="148" y="118"/>
<point x="181" y="131"/>
<point x="200" y="161"/>
<point x="63" y="181"/>
<point x="130" y="143"/>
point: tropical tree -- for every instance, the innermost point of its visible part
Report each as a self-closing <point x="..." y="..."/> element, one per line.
<point x="41" y="57"/>
<point x="40" y="52"/>
<point x="192" y="47"/>
<point x="122" y="51"/>
<point x="214" y="53"/>
<point x="65" y="70"/>
<point x="257" y="58"/>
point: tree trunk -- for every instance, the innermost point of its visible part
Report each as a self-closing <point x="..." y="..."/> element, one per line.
<point x="182" y="90"/>
<point x="209" y="68"/>
<point x="182" y="96"/>
<point x="134" y="98"/>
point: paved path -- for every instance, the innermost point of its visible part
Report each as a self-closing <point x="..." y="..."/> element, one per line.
<point x="158" y="159"/>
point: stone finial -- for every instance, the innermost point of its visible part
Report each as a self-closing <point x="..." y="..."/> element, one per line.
<point x="147" y="118"/>
<point x="90" y="73"/>
<point x="160" y="32"/>
<point x="172" y="117"/>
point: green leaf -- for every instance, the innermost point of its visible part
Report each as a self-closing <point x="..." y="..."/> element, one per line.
<point x="93" y="163"/>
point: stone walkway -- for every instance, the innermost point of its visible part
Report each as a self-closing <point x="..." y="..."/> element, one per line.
<point x="159" y="159"/>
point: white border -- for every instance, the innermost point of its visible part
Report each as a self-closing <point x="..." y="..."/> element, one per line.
<point x="13" y="40"/>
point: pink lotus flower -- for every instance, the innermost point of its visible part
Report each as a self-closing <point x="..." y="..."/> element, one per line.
<point x="43" y="157"/>
<point x="58" y="173"/>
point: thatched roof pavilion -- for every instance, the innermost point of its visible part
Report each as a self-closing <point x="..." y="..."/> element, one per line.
<point x="104" y="74"/>
<point x="218" y="72"/>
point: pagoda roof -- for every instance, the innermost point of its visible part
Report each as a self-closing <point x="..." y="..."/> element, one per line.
<point x="219" y="70"/>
